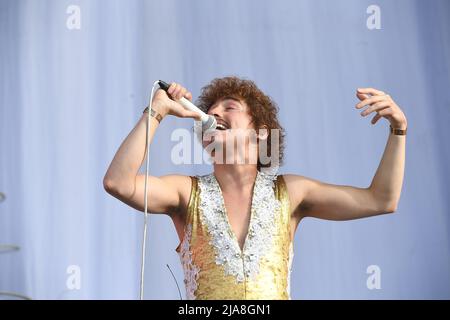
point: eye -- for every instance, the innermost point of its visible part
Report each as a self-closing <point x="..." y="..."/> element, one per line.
<point x="233" y="107"/>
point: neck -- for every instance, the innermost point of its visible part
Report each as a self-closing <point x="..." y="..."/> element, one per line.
<point x="235" y="177"/>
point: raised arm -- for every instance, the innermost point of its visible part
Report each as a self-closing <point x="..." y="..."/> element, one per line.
<point x="313" y="198"/>
<point x="122" y="179"/>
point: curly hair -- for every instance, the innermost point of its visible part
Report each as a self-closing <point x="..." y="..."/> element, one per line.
<point x="263" y="110"/>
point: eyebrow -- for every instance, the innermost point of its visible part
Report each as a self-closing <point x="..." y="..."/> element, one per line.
<point x="226" y="98"/>
<point x="231" y="98"/>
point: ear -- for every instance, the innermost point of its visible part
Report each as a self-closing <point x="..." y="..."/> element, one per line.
<point x="263" y="132"/>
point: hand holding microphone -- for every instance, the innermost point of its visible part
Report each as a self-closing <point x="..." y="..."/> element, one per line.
<point x="180" y="104"/>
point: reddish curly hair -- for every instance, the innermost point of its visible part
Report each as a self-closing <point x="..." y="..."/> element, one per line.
<point x="263" y="110"/>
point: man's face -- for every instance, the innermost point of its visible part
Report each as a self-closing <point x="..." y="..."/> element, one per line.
<point x="234" y="123"/>
<point x="232" y="113"/>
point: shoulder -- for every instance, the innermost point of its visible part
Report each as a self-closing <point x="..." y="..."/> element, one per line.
<point x="297" y="187"/>
<point x="182" y="184"/>
<point x="294" y="179"/>
<point x="177" y="181"/>
<point x="298" y="181"/>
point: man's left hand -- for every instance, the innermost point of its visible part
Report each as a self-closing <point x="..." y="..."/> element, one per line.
<point x="381" y="103"/>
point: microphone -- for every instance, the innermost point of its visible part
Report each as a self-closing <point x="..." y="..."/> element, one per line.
<point x="208" y="122"/>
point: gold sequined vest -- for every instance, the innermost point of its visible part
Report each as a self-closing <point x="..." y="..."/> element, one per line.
<point x="214" y="265"/>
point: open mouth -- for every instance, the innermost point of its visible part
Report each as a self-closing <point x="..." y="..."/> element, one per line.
<point x="222" y="125"/>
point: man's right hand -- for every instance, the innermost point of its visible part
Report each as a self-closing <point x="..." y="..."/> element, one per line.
<point x="165" y="105"/>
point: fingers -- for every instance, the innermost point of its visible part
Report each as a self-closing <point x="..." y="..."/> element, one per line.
<point x="382" y="104"/>
<point x="385" y="112"/>
<point x="369" y="100"/>
<point x="377" y="101"/>
<point x="362" y="96"/>
<point x="381" y="113"/>
<point x="375" y="118"/>
<point x="371" y="91"/>
<point x="174" y="90"/>
<point x="177" y="92"/>
<point x="375" y="107"/>
<point x="191" y="114"/>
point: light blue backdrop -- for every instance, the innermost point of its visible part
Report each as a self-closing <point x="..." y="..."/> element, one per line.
<point x="69" y="97"/>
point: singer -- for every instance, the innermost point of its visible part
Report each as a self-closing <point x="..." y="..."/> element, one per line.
<point x="236" y="225"/>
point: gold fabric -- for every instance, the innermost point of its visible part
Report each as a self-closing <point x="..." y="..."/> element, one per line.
<point x="212" y="282"/>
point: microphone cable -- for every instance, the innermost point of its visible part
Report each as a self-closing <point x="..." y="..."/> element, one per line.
<point x="144" y="235"/>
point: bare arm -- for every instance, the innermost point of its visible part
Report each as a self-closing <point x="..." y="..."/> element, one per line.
<point x="339" y="202"/>
<point x="122" y="179"/>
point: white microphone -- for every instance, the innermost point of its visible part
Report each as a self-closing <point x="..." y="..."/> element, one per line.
<point x="208" y="121"/>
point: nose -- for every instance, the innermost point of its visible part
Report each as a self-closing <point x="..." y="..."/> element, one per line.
<point x="215" y="112"/>
<point x="216" y="115"/>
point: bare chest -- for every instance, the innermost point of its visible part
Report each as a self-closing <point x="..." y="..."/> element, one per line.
<point x="238" y="212"/>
